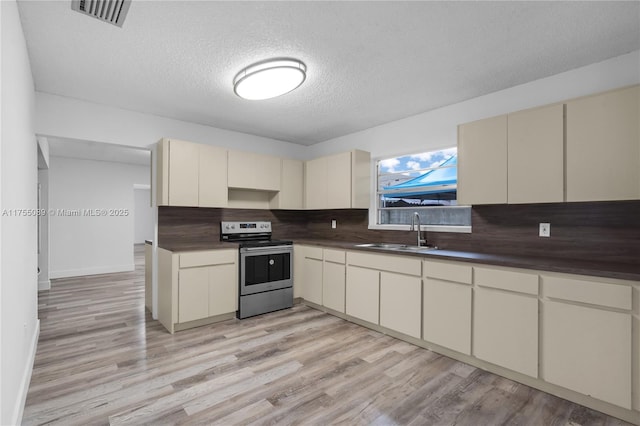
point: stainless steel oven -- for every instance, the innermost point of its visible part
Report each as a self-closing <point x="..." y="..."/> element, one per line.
<point x="266" y="268"/>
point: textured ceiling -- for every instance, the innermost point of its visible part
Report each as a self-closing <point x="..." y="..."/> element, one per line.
<point x="368" y="62"/>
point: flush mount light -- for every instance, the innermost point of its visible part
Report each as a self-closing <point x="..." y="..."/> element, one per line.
<point x="268" y="79"/>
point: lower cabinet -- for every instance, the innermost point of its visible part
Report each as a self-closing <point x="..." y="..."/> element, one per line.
<point x="588" y="347"/>
<point x="193" y="294"/>
<point x="312" y="275"/>
<point x="363" y="293"/>
<point x="566" y="332"/>
<point x="192" y="286"/>
<point x="505" y="323"/>
<point x="400" y="303"/>
<point x="334" y="280"/>
<point x="446" y="306"/>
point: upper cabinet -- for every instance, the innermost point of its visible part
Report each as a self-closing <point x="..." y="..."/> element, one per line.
<point x="535" y="155"/>
<point x="338" y="181"/>
<point x="554" y="153"/>
<point x="291" y="194"/>
<point x="190" y="174"/>
<point x="248" y="170"/>
<point x="603" y="146"/>
<point x="482" y="161"/>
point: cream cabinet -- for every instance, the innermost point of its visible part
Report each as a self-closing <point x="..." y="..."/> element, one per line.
<point x="190" y="174"/>
<point x="338" y="181"/>
<point x="333" y="280"/>
<point x="363" y="294"/>
<point x="603" y="146"/>
<point x="248" y="170"/>
<point x="535" y="155"/>
<point x="196" y="288"/>
<point x="291" y="194"/>
<point x="446" y="307"/>
<point x="482" y="161"/>
<point x="312" y="275"/>
<point x="400" y="303"/>
<point x="505" y="319"/>
<point x="586" y="337"/>
<point x="385" y="290"/>
<point x="500" y="158"/>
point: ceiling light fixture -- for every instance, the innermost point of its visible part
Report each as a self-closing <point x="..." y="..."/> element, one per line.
<point x="268" y="79"/>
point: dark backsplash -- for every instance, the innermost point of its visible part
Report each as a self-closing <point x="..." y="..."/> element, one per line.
<point x="605" y="231"/>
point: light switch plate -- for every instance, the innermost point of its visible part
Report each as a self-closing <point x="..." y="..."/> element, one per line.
<point x="334" y="223"/>
<point x="545" y="230"/>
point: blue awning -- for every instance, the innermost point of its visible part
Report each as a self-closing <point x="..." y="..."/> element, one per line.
<point x="438" y="181"/>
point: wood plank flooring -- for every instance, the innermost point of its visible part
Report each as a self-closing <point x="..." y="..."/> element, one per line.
<point x="102" y="360"/>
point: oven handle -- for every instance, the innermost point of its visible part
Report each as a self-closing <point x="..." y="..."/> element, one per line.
<point x="278" y="249"/>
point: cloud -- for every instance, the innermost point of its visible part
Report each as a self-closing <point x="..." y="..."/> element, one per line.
<point x="389" y="165"/>
<point x="414" y="165"/>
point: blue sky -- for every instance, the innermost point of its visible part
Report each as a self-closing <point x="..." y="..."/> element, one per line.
<point x="411" y="164"/>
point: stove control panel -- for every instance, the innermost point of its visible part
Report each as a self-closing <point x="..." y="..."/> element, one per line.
<point x="244" y="227"/>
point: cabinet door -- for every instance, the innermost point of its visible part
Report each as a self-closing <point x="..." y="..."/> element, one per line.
<point x="212" y="190"/>
<point x="447" y="314"/>
<point x="193" y="294"/>
<point x="363" y="294"/>
<point x="333" y="286"/>
<point x="339" y="181"/>
<point x="183" y="173"/>
<point x="482" y="161"/>
<point x="249" y="170"/>
<point x="603" y="146"/>
<point x="298" y="270"/>
<point x="223" y="289"/>
<point x="291" y="195"/>
<point x="536" y="155"/>
<point x="312" y="285"/>
<point x="315" y="192"/>
<point x="587" y="350"/>
<point x="400" y="303"/>
<point x="505" y="330"/>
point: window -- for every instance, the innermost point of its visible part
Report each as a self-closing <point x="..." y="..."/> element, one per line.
<point x="425" y="183"/>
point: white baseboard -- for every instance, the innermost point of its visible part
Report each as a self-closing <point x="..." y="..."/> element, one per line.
<point x="92" y="271"/>
<point x="44" y="285"/>
<point x="18" y="410"/>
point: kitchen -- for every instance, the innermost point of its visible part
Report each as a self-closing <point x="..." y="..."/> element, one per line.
<point x="607" y="230"/>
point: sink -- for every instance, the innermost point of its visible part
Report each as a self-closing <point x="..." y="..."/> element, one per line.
<point x="397" y="247"/>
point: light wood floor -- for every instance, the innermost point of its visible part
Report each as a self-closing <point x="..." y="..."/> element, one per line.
<point x="101" y="359"/>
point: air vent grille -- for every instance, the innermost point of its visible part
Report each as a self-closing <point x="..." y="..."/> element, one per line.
<point x="110" y="11"/>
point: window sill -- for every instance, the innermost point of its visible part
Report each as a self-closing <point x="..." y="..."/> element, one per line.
<point x="428" y="228"/>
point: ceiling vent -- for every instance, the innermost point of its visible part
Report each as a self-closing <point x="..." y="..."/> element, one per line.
<point x="110" y="11"/>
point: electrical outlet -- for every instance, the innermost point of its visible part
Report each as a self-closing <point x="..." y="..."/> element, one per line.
<point x="334" y="224"/>
<point x="545" y="230"/>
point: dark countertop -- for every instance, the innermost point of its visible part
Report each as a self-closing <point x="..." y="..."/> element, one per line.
<point x="624" y="271"/>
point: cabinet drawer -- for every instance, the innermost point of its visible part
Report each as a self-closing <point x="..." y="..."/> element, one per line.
<point x="506" y="280"/>
<point x="594" y="292"/>
<point x="205" y="258"/>
<point x="335" y="256"/>
<point x="448" y="271"/>
<point x="401" y="264"/>
<point x="313" y="253"/>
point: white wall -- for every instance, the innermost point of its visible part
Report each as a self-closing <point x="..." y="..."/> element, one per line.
<point x="143" y="216"/>
<point x="43" y="255"/>
<point x="19" y="325"/>
<point x="84" y="244"/>
<point x="73" y="118"/>
<point x="438" y="128"/>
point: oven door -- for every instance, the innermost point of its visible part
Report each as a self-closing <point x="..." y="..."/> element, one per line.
<point x="265" y="268"/>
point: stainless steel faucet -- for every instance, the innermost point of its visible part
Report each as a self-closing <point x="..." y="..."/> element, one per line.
<point x="416" y="218"/>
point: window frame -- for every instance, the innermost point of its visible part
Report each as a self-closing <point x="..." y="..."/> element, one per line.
<point x="374" y="205"/>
